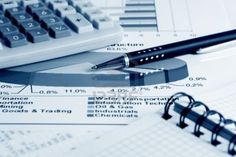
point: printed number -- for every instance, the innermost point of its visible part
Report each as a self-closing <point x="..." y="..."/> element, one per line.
<point x="44" y="13"/>
<point x="30" y="25"/>
<point x="22" y="17"/>
<point x="52" y="20"/>
<point x="193" y="35"/>
<point x="15" y="37"/>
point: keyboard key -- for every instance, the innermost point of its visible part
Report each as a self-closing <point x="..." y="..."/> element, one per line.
<point x="78" y="23"/>
<point x="23" y="17"/>
<point x="15" y="40"/>
<point x="74" y="2"/>
<point x="92" y="14"/>
<point x="8" y="4"/>
<point x="9" y="29"/>
<point x="39" y="14"/>
<point x="54" y="4"/>
<point x="28" y="2"/>
<point x="59" y="31"/>
<point x="29" y="25"/>
<point x="103" y="22"/>
<point x="49" y="21"/>
<point x="83" y="7"/>
<point x="13" y="11"/>
<point x="38" y="35"/>
<point x="33" y="7"/>
<point x="4" y="21"/>
<point x="62" y="12"/>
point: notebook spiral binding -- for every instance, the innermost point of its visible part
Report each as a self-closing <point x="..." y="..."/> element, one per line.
<point x="217" y="129"/>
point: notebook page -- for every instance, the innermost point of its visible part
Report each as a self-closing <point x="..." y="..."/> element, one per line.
<point x="222" y="100"/>
<point x="150" y="136"/>
<point x="44" y="143"/>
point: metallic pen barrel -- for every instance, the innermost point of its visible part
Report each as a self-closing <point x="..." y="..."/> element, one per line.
<point x="117" y="63"/>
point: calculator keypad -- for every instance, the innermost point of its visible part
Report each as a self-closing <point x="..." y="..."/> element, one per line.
<point x="34" y="21"/>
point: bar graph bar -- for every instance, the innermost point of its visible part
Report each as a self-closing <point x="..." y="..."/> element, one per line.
<point x="139" y="15"/>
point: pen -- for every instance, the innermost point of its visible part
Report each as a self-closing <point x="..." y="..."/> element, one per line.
<point x="191" y="46"/>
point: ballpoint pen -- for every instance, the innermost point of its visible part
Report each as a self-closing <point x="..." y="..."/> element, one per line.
<point x="191" y="46"/>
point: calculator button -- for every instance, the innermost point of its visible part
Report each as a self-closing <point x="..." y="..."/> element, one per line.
<point x="92" y="14"/>
<point x="62" y="12"/>
<point x="19" y="18"/>
<point x="54" y="4"/>
<point x="15" y="40"/>
<point x="28" y="2"/>
<point x="29" y="25"/>
<point x="13" y="11"/>
<point x="42" y="13"/>
<point x="74" y="2"/>
<point x="49" y="21"/>
<point x="103" y="22"/>
<point x="4" y="21"/>
<point x="33" y="7"/>
<point x="38" y="35"/>
<point x="5" y="30"/>
<point x="59" y="31"/>
<point x="78" y="23"/>
<point x="8" y="4"/>
<point x="83" y="7"/>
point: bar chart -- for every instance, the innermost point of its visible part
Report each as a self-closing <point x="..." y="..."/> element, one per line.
<point x="158" y="22"/>
<point x="149" y="15"/>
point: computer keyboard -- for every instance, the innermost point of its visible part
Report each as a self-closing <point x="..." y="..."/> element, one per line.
<point x="38" y="30"/>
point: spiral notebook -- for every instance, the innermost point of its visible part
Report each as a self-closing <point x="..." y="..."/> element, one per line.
<point x="186" y="130"/>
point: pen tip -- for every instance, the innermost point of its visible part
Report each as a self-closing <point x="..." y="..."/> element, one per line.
<point x="94" y="67"/>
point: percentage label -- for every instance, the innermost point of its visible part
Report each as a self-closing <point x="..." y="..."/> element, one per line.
<point x="5" y="86"/>
<point x="119" y="90"/>
<point x="197" y="79"/>
<point x="194" y="85"/>
<point x="144" y="89"/>
<point x="163" y="87"/>
<point x="4" y="93"/>
<point x="76" y="91"/>
<point x="51" y="92"/>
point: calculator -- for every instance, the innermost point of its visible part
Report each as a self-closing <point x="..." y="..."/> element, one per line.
<point x="38" y="30"/>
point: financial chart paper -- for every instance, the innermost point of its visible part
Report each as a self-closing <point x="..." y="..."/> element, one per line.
<point x="156" y="22"/>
